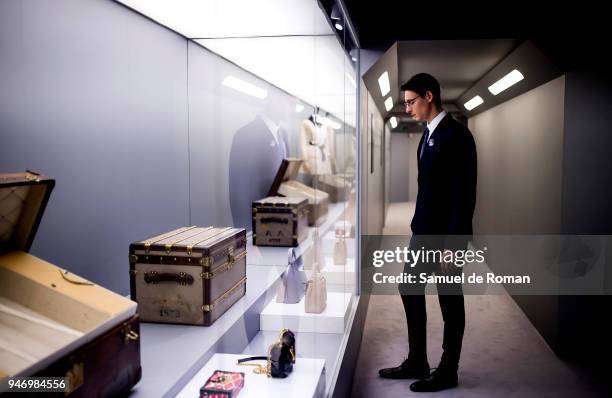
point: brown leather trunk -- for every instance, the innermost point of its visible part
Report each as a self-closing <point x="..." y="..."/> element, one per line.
<point x="280" y="221"/>
<point x="109" y="366"/>
<point x="190" y="275"/>
<point x="60" y="325"/>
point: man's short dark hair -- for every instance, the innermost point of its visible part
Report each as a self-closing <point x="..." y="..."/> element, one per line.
<point x="421" y="83"/>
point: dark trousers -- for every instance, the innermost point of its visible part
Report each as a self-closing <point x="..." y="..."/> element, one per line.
<point x="450" y="297"/>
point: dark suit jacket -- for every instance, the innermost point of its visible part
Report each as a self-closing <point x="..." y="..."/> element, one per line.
<point x="447" y="184"/>
<point x="254" y="160"/>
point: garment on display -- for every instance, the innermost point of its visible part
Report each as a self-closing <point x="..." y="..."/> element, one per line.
<point x="316" y="292"/>
<point x="190" y="275"/>
<point x="55" y="323"/>
<point x="222" y="384"/>
<point x="285" y="184"/>
<point x="281" y="357"/>
<point x="280" y="221"/>
<point x="293" y="284"/>
<point x="316" y="147"/>
<point x="255" y="155"/>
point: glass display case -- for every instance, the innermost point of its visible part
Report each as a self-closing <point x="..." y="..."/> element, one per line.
<point x="205" y="160"/>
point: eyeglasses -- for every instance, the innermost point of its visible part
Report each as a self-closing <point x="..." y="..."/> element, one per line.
<point x="411" y="102"/>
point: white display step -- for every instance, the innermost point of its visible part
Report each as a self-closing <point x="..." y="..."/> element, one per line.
<point x="276" y="316"/>
<point x="309" y="345"/>
<point x="171" y="353"/>
<point x="307" y="380"/>
<point x="337" y="274"/>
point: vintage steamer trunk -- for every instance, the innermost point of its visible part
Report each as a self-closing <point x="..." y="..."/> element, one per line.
<point x="280" y="221"/>
<point x="191" y="275"/>
<point x="52" y="322"/>
<point x="285" y="185"/>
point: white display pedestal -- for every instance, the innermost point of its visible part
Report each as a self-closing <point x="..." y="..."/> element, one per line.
<point x="276" y="316"/>
<point x="338" y="274"/>
<point x="307" y="380"/>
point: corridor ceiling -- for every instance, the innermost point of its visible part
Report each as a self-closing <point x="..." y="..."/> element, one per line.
<point x="464" y="68"/>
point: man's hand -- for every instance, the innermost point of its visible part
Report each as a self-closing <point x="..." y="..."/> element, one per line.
<point x="448" y="267"/>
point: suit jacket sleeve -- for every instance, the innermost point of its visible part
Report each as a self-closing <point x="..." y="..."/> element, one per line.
<point x="462" y="190"/>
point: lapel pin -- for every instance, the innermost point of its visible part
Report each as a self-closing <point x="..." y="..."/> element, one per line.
<point x="431" y="142"/>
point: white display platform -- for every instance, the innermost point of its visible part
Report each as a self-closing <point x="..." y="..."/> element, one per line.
<point x="308" y="345"/>
<point x="306" y="381"/>
<point x="337" y="274"/>
<point x="170" y="354"/>
<point x="276" y="316"/>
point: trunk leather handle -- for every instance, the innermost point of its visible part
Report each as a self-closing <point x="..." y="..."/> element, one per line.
<point x="154" y="277"/>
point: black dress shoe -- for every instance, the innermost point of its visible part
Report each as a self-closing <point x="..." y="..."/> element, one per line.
<point x="407" y="370"/>
<point x="437" y="381"/>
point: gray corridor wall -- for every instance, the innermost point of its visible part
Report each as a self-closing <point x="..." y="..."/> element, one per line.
<point x="520" y="161"/>
<point x="130" y="118"/>
<point x="575" y="194"/>
<point x="586" y="209"/>
<point x="372" y="172"/>
<point x="403" y="173"/>
<point x="520" y="157"/>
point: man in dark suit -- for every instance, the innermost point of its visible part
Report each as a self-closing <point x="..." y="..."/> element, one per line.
<point x="442" y="221"/>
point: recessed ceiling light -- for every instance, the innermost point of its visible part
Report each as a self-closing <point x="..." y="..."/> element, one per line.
<point x="393" y="121"/>
<point x="473" y="103"/>
<point x="338" y="25"/>
<point x="244" y="87"/>
<point x="509" y="80"/>
<point x="383" y="83"/>
<point x="389" y="104"/>
<point x="299" y="108"/>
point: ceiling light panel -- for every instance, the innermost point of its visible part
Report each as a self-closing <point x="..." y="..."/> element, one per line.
<point x="505" y="82"/>
<point x="473" y="103"/>
<point x="389" y="104"/>
<point x="383" y="83"/>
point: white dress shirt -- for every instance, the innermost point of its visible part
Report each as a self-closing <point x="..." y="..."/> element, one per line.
<point x="434" y="123"/>
<point x="274" y="129"/>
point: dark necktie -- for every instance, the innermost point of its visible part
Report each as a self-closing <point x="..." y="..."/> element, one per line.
<point x="425" y="141"/>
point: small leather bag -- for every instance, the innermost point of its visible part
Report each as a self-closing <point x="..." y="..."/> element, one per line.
<point x="280" y="359"/>
<point x="340" y="251"/>
<point x="316" y="292"/>
<point x="293" y="284"/>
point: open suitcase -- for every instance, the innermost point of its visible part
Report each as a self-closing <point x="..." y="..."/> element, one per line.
<point x="285" y="184"/>
<point x="54" y="323"/>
